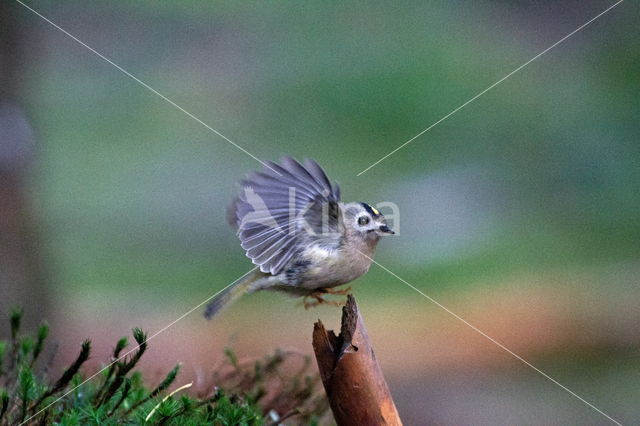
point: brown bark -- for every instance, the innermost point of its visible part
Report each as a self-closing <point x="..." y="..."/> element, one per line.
<point x="352" y="378"/>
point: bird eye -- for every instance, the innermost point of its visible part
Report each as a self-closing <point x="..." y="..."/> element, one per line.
<point x="363" y="220"/>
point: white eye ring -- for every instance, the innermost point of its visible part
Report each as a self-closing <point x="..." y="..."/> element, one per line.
<point x="363" y="220"/>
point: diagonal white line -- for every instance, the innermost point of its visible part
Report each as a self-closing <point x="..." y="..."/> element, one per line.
<point x="143" y="84"/>
<point x="500" y="345"/>
<point x="163" y="329"/>
<point x="491" y="87"/>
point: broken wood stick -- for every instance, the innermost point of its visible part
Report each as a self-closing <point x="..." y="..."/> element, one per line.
<point x="352" y="378"/>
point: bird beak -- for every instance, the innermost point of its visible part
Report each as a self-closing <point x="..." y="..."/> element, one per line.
<point x="384" y="229"/>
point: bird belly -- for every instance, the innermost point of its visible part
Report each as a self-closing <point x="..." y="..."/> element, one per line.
<point x="330" y="267"/>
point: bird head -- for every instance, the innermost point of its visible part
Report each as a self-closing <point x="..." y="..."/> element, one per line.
<point x="365" y="221"/>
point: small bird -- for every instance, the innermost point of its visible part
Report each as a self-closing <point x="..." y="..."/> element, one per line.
<point x="303" y="239"/>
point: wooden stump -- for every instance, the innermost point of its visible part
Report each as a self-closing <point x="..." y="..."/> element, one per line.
<point x="357" y="392"/>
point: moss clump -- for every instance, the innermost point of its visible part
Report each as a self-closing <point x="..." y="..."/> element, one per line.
<point x="237" y="393"/>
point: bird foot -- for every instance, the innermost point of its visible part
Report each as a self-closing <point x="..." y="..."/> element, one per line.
<point x="318" y="300"/>
<point x="342" y="292"/>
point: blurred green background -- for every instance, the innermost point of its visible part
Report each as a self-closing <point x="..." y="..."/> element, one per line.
<point x="521" y="212"/>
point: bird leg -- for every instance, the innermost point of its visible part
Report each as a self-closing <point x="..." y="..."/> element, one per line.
<point x="319" y="300"/>
<point x="342" y="292"/>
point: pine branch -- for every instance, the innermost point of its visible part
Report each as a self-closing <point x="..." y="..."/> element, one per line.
<point x="68" y="374"/>
<point x="4" y="404"/>
<point x="122" y="343"/>
<point x="171" y="377"/>
<point x="125" y="367"/>
<point x="43" y="333"/>
<point x="14" y="319"/>
<point x="123" y="395"/>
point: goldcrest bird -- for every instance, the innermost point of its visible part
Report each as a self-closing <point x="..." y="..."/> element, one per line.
<point x="303" y="239"/>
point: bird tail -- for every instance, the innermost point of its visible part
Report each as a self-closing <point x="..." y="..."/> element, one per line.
<point x="230" y="294"/>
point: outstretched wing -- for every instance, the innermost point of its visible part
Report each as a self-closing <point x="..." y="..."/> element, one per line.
<point x="282" y="209"/>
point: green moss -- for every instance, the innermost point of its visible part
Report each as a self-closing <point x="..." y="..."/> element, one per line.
<point x="119" y="396"/>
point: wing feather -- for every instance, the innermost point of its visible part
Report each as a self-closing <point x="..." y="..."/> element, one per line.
<point x="269" y="229"/>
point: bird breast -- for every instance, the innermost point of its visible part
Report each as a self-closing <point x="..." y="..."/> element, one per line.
<point x="330" y="267"/>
